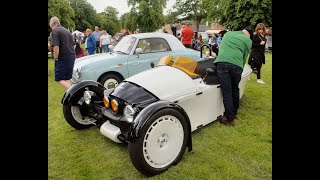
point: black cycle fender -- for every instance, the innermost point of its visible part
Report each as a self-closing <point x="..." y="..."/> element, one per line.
<point x="143" y="117"/>
<point x="72" y="95"/>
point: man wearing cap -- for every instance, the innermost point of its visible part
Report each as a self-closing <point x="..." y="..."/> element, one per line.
<point x="186" y="35"/>
<point x="233" y="53"/>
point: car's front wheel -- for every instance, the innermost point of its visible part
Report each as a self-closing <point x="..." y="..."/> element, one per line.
<point x="76" y="116"/>
<point x="161" y="144"/>
<point x="110" y="81"/>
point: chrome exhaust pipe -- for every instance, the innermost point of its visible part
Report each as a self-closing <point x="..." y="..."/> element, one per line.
<point x="110" y="131"/>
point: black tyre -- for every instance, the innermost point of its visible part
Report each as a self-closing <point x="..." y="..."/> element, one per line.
<point x="161" y="144"/>
<point x="76" y="117"/>
<point x="110" y="81"/>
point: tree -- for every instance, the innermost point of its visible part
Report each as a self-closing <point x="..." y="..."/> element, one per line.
<point x="171" y="17"/>
<point x="147" y="14"/>
<point x="63" y="11"/>
<point x="109" y="20"/>
<point x="85" y="15"/>
<point x="152" y="3"/>
<point x="236" y="14"/>
<point x="131" y="19"/>
<point x="192" y="9"/>
<point x="123" y="18"/>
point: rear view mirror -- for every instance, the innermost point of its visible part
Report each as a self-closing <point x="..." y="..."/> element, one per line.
<point x="152" y="65"/>
<point x="139" y="51"/>
<point x="110" y="47"/>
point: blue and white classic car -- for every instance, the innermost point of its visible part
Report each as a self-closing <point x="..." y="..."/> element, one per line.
<point x="133" y="54"/>
<point x="154" y="111"/>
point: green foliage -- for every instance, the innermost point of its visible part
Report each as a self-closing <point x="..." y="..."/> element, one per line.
<point x="192" y="9"/>
<point x="85" y="15"/>
<point x="152" y="3"/>
<point x="131" y="19"/>
<point x="109" y="20"/>
<point x="145" y="15"/>
<point x="63" y="11"/>
<point x="171" y="17"/>
<point x="150" y="18"/>
<point x="123" y="18"/>
<point x="236" y="14"/>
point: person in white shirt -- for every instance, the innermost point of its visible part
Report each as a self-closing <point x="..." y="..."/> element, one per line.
<point x="105" y="40"/>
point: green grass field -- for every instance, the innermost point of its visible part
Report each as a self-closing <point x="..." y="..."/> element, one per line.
<point x="219" y="152"/>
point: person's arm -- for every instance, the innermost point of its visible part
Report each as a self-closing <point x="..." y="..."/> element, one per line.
<point x="100" y="41"/>
<point x="94" y="42"/>
<point x="255" y="41"/>
<point x="56" y="52"/>
<point x="55" y="43"/>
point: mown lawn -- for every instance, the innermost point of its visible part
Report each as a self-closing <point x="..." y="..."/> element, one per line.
<point x="219" y="152"/>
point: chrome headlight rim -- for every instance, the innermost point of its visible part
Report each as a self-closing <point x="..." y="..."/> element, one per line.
<point x="128" y="113"/>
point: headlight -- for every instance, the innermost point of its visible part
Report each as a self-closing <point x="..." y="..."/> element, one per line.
<point x="128" y="112"/>
<point x="87" y="97"/>
<point x="114" y="105"/>
<point x="106" y="102"/>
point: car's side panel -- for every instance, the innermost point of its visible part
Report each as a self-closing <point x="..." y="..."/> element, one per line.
<point x="245" y="75"/>
<point x="203" y="107"/>
<point x="206" y="105"/>
<point x="95" y="70"/>
<point x="138" y="64"/>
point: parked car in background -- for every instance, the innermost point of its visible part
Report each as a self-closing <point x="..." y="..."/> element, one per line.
<point x="133" y="54"/>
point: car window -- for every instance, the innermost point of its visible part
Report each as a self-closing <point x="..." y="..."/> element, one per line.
<point x="151" y="45"/>
<point x="125" y="45"/>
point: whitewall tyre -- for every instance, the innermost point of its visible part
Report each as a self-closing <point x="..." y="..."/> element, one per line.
<point x="110" y="81"/>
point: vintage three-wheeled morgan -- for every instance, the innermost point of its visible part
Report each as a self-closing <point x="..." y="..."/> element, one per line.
<point x="154" y="111"/>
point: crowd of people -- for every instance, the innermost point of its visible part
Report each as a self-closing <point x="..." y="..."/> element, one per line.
<point x="65" y="47"/>
<point x="94" y="42"/>
<point x="193" y="40"/>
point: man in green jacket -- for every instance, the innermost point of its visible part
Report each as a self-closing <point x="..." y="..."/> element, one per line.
<point x="233" y="52"/>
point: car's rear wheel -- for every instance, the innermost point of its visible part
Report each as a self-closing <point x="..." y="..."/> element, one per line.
<point x="161" y="144"/>
<point x="75" y="116"/>
<point x="110" y="81"/>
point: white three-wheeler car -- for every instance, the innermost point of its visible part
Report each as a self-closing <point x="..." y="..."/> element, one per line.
<point x="154" y="111"/>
